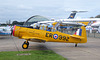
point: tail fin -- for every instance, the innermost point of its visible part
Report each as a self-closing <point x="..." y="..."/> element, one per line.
<point x="81" y="33"/>
<point x="78" y="32"/>
<point x="72" y="15"/>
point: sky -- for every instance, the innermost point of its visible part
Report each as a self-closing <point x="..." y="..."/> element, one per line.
<point x="21" y="10"/>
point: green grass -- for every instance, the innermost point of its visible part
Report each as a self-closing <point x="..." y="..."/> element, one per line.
<point x="35" y="55"/>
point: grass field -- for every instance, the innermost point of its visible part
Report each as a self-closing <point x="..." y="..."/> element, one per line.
<point x="34" y="55"/>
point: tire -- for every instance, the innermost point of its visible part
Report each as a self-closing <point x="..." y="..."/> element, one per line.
<point x="24" y="45"/>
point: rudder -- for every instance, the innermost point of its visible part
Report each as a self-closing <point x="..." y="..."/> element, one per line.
<point x="82" y="33"/>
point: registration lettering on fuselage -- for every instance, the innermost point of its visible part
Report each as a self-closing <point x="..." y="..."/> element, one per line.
<point x="56" y="36"/>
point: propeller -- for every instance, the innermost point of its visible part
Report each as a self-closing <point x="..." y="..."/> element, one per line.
<point x="12" y="29"/>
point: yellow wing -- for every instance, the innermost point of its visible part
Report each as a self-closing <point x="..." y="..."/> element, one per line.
<point x="34" y="39"/>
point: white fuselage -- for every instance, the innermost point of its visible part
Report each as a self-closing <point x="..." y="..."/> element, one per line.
<point x="5" y="30"/>
<point x="96" y="26"/>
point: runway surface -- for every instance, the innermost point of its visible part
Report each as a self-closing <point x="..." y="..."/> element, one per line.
<point x="87" y="51"/>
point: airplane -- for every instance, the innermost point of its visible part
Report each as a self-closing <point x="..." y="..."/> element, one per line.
<point x="96" y="26"/>
<point x="40" y="35"/>
<point x="5" y="30"/>
<point x="93" y="27"/>
<point x="84" y="21"/>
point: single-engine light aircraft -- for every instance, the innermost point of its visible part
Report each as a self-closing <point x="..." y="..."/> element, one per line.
<point x="44" y="35"/>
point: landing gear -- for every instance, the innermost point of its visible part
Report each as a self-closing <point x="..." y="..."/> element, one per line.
<point x="25" y="45"/>
<point x="76" y="45"/>
<point x="26" y="42"/>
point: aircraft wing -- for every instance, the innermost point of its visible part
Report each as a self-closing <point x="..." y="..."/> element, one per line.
<point x="36" y="38"/>
<point x="77" y="37"/>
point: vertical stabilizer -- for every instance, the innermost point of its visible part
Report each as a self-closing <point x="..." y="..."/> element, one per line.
<point x="81" y="33"/>
<point x="72" y="15"/>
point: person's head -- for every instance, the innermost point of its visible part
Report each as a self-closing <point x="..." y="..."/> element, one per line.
<point x="49" y="28"/>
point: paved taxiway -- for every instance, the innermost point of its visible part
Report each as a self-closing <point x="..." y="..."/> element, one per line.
<point x="87" y="51"/>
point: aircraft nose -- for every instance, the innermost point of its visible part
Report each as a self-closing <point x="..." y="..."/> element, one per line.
<point x="13" y="30"/>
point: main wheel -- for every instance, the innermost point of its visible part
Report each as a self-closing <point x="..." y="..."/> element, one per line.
<point x="24" y="45"/>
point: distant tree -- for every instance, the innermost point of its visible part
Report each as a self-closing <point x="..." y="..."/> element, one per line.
<point x="15" y="23"/>
<point x="21" y="23"/>
<point x="98" y="16"/>
<point x="3" y="25"/>
<point x="91" y="17"/>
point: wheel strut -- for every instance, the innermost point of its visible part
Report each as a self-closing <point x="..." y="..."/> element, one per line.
<point x="76" y="45"/>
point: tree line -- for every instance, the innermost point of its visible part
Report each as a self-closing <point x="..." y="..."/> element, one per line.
<point x="98" y="16"/>
<point x="17" y="23"/>
<point x="13" y="23"/>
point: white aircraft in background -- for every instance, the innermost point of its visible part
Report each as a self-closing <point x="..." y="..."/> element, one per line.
<point x="5" y="30"/>
<point x="86" y="21"/>
<point x="96" y="26"/>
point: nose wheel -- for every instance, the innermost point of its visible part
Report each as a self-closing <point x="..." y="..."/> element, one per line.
<point x="25" y="45"/>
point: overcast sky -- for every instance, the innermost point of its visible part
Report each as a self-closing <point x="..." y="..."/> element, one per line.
<point x="21" y="10"/>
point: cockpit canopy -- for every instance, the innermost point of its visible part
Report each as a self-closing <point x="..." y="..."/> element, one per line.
<point x="35" y="19"/>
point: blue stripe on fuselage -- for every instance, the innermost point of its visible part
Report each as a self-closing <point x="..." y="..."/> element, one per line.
<point x="80" y="32"/>
<point x="5" y="33"/>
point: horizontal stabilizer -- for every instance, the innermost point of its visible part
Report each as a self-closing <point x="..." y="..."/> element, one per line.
<point x="77" y="37"/>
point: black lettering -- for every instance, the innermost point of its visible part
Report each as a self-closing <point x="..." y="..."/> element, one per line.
<point x="46" y="34"/>
<point x="60" y="37"/>
<point x="67" y="37"/>
<point x="50" y="35"/>
<point x="64" y="37"/>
